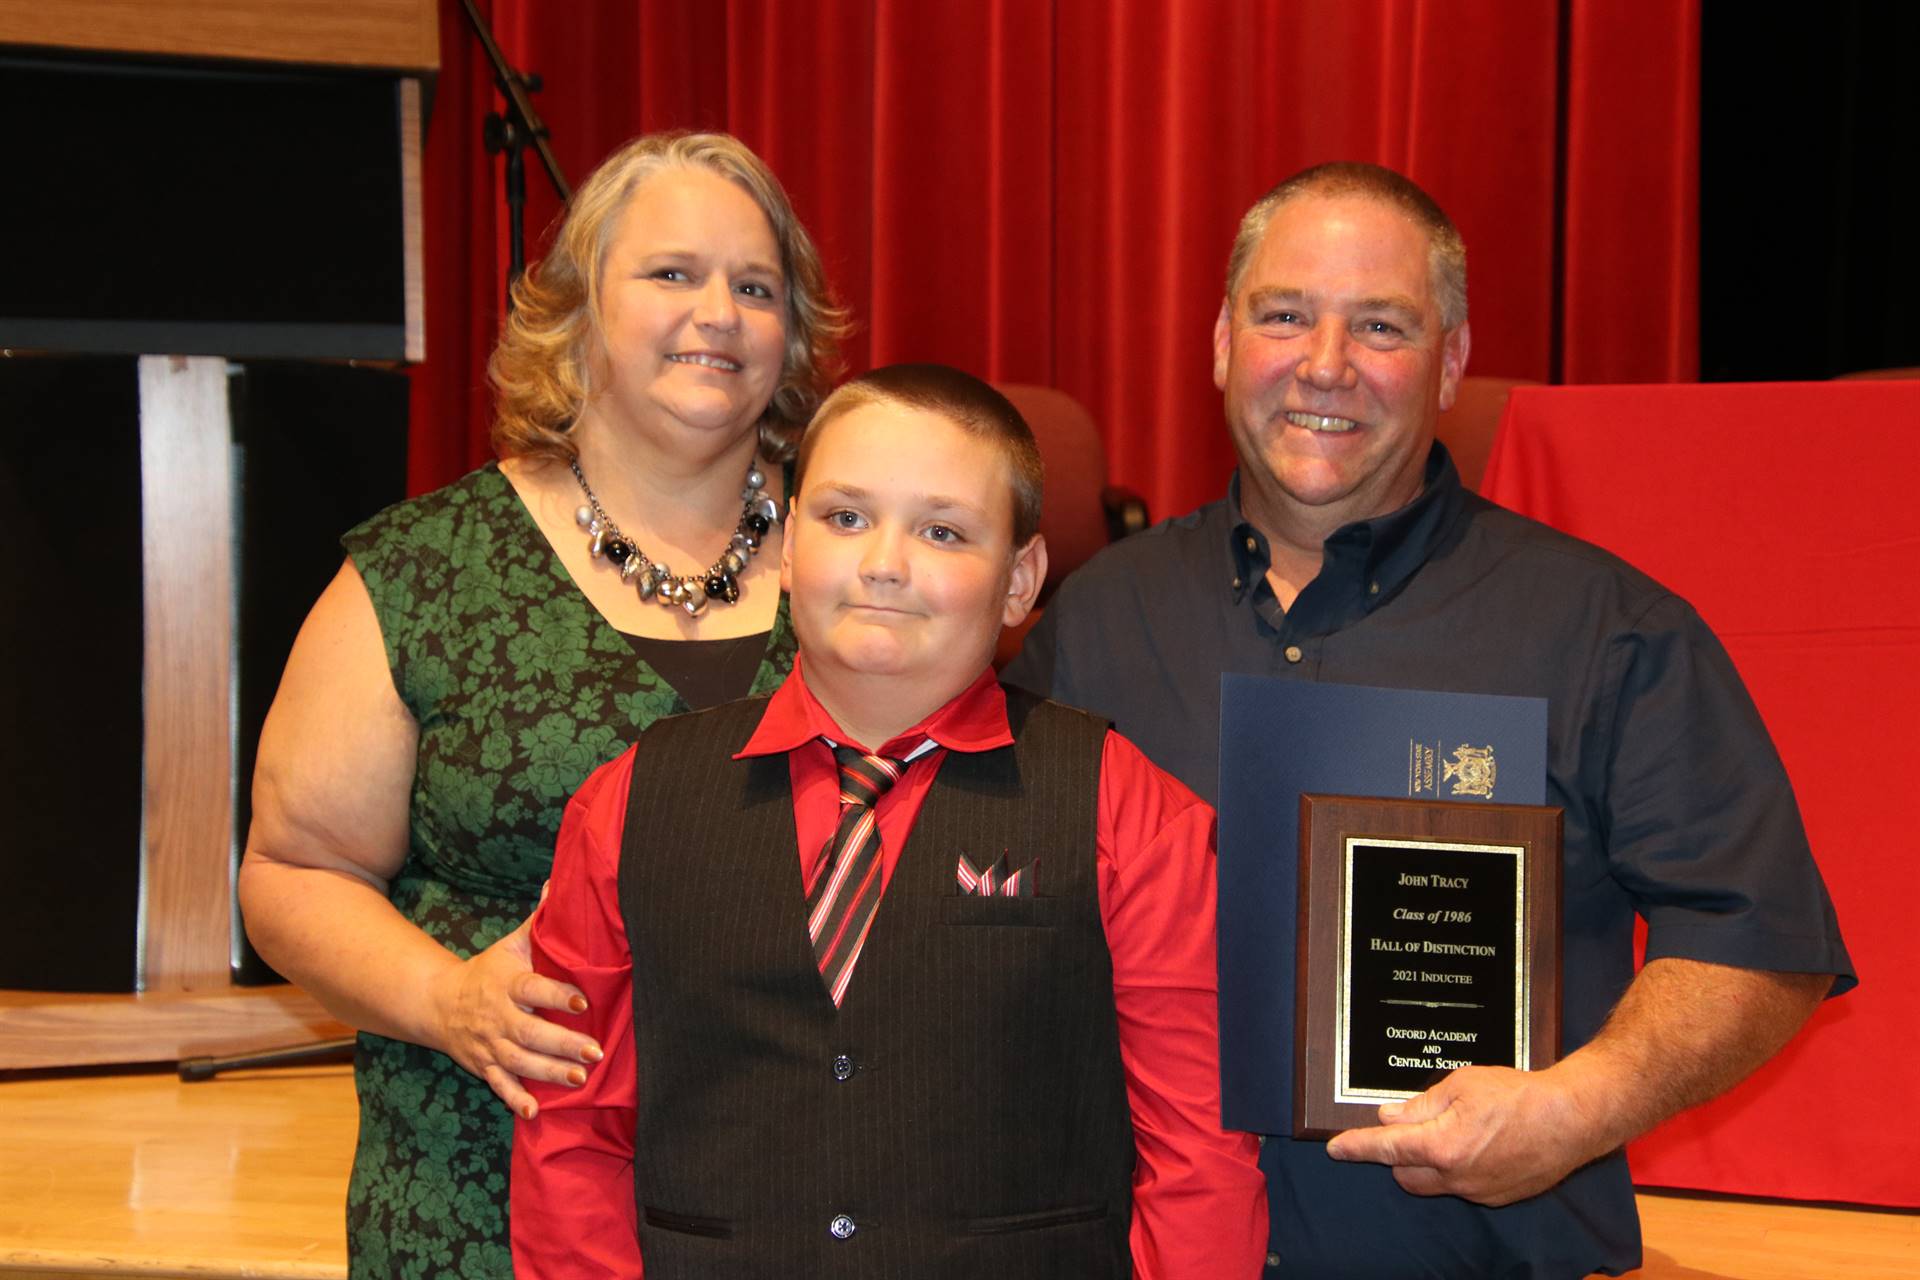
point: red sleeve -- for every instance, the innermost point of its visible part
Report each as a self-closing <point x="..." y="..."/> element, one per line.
<point x="572" y="1183"/>
<point x="1199" y="1200"/>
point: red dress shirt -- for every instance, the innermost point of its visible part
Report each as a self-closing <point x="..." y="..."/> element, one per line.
<point x="1199" y="1202"/>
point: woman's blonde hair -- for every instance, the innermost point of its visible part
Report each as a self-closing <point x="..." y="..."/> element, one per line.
<point x="541" y="368"/>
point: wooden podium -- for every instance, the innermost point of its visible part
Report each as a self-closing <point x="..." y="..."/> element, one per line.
<point x="241" y="60"/>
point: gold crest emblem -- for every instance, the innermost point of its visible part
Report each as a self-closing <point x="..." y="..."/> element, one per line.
<point x="1474" y="768"/>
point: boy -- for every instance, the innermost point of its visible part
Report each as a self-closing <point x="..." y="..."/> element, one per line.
<point x="975" y="1035"/>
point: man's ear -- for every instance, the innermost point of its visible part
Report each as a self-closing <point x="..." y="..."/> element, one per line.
<point x="1222" y="343"/>
<point x="1453" y="363"/>
<point x="786" y="547"/>
<point x="1023" y="583"/>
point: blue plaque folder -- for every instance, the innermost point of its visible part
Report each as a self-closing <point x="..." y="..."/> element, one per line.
<point x="1279" y="738"/>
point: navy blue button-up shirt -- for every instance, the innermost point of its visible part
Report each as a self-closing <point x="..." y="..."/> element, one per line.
<point x="1676" y="804"/>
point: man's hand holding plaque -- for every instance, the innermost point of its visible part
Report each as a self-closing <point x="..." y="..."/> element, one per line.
<point x="1492" y="1135"/>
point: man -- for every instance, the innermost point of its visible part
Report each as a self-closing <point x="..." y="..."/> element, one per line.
<point x="1346" y="551"/>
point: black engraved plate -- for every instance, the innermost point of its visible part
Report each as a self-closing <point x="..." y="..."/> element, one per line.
<point x="1435" y="978"/>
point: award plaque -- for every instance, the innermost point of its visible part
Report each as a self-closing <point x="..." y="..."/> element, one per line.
<point x="1429" y="940"/>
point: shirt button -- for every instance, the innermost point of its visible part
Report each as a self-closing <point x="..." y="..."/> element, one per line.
<point x="841" y="1227"/>
<point x="1236" y="584"/>
<point x="1273" y="1259"/>
<point x="1261" y="1139"/>
<point x="843" y="1068"/>
<point x="1373" y="588"/>
<point x="1293" y="653"/>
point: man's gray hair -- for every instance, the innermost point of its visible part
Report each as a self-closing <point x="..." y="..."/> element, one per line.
<point x="1446" y="252"/>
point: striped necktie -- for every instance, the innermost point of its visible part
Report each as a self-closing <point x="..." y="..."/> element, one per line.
<point x="841" y="907"/>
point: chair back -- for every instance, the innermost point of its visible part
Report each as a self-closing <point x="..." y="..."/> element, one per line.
<point x="1467" y="428"/>
<point x="1072" y="519"/>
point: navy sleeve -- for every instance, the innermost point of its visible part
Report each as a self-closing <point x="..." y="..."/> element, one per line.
<point x="1702" y="827"/>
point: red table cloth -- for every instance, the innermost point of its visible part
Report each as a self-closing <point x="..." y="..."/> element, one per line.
<point x="1786" y="513"/>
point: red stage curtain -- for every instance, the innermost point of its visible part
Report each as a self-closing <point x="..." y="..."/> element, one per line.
<point x="1045" y="190"/>
<point x="1632" y="310"/>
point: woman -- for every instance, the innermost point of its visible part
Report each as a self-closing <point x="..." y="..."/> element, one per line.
<point x="487" y="646"/>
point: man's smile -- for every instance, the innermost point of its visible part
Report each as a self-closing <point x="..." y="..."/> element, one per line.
<point x="1321" y="423"/>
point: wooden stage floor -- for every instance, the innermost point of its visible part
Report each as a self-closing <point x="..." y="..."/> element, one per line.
<point x="141" y="1175"/>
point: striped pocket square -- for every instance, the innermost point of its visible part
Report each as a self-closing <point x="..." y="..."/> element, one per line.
<point x="996" y="881"/>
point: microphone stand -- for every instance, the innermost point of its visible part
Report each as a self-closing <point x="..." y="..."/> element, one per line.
<point x="510" y="132"/>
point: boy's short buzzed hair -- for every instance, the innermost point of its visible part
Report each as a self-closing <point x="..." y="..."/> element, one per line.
<point x="972" y="405"/>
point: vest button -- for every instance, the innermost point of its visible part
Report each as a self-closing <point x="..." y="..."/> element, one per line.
<point x="843" y="1068"/>
<point x="841" y="1227"/>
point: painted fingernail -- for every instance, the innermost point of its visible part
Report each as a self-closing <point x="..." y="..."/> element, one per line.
<point x="577" y="1003"/>
<point x="576" y="1077"/>
<point x="592" y="1053"/>
<point x="526" y="1112"/>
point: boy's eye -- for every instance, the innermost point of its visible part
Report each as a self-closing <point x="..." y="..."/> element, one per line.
<point x="844" y="519"/>
<point x="943" y="533"/>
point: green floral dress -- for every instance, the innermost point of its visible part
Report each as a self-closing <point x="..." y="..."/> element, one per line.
<point x="521" y="689"/>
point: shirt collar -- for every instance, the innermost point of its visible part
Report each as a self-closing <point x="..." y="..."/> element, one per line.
<point x="1382" y="552"/>
<point x="975" y="719"/>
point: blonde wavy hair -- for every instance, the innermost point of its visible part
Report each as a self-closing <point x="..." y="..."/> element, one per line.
<point x="541" y="368"/>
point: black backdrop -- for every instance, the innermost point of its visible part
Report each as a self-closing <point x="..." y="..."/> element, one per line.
<point x="1809" y="190"/>
<point x="70" y="672"/>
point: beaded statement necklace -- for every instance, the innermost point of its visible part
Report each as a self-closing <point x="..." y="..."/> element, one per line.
<point x="692" y="592"/>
